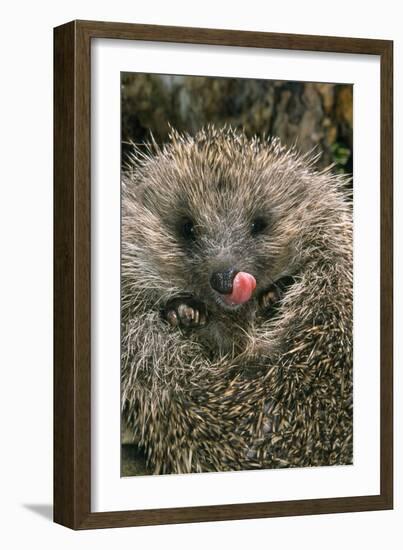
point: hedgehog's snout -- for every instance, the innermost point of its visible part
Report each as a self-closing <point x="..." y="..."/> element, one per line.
<point x="236" y="287"/>
<point x="222" y="281"/>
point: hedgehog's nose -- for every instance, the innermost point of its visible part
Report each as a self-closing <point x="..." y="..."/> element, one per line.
<point x="222" y="281"/>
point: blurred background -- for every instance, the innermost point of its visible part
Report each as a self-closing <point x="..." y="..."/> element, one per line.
<point x="306" y="113"/>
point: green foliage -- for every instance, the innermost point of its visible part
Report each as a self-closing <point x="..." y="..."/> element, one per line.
<point x="341" y="156"/>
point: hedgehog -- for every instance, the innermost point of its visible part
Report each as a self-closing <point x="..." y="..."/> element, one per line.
<point x="236" y="305"/>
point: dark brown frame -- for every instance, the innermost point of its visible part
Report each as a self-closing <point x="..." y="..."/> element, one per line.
<point x="72" y="320"/>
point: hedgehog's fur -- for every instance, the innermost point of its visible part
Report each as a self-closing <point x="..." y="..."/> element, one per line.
<point x="252" y="388"/>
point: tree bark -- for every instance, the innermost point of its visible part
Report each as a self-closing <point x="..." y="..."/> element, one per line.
<point x="309" y="115"/>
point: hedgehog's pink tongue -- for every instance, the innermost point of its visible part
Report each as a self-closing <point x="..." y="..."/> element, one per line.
<point x="243" y="286"/>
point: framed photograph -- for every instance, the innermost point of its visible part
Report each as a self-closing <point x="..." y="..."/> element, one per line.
<point x="222" y="275"/>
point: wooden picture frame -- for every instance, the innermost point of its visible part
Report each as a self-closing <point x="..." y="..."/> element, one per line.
<point x="72" y="269"/>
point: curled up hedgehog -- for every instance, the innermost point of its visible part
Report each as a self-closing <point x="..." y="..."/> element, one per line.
<point x="236" y="306"/>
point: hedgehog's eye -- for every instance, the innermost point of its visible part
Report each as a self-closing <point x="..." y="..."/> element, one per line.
<point x="188" y="230"/>
<point x="258" y="226"/>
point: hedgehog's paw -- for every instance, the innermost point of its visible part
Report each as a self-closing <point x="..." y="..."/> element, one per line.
<point x="272" y="296"/>
<point x="188" y="313"/>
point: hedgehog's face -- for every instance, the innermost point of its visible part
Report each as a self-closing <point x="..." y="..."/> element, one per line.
<point x="225" y="260"/>
<point x="216" y="239"/>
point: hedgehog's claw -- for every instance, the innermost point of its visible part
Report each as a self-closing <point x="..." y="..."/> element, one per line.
<point x="172" y="318"/>
<point x="270" y="298"/>
<point x="185" y="313"/>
